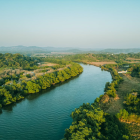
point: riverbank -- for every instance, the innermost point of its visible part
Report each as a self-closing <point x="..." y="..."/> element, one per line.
<point x="46" y="115"/>
<point x="111" y="106"/>
<point x="17" y="91"/>
<point x="129" y="85"/>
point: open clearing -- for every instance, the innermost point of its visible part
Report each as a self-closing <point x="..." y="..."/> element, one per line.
<point x="132" y="58"/>
<point x="48" y="64"/>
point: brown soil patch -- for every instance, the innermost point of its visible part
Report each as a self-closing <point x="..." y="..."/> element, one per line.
<point x="134" y="129"/>
<point x="129" y="58"/>
<point x="48" y="64"/>
<point x="104" y="99"/>
<point x="132" y="61"/>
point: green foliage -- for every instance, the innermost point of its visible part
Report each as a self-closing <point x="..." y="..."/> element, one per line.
<point x="58" y="66"/>
<point x="135" y="70"/>
<point x="132" y="103"/>
<point x="91" y="123"/>
<point x="18" y="60"/>
<point x="0" y="106"/>
<point x="28" y="75"/>
<point x="110" y="89"/>
<point x="32" y="87"/>
<point x="44" y="71"/>
<point x="17" y="90"/>
<point x="123" y="115"/>
<point x="106" y="86"/>
<point x="125" y="137"/>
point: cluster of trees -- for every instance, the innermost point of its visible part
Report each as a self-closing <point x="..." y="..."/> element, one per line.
<point x="57" y="60"/>
<point x="57" y="66"/>
<point x="131" y="113"/>
<point x="18" y="60"/>
<point x="118" y="58"/>
<point x="110" y="88"/>
<point x="111" y="57"/>
<point x="91" y="123"/>
<point x="9" y="78"/>
<point x="125" y="116"/>
<point x="18" y="90"/>
<point x="135" y="70"/>
<point x="134" y="55"/>
<point x="132" y="103"/>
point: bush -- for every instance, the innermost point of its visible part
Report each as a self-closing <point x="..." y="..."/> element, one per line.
<point x="28" y="75"/>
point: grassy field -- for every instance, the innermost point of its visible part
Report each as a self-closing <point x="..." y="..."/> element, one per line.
<point x="113" y="105"/>
<point x="125" y="87"/>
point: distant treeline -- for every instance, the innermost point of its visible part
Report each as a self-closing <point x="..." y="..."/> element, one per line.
<point x="118" y="58"/>
<point x="18" y="60"/>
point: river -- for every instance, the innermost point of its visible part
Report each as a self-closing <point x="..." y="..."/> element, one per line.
<point x="47" y="115"/>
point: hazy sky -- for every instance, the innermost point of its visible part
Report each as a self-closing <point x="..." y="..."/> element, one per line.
<point x="70" y="23"/>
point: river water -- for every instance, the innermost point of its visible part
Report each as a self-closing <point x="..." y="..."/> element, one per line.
<point x="45" y="116"/>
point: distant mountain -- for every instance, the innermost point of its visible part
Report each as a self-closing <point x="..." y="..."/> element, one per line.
<point x="25" y="50"/>
<point x="35" y="49"/>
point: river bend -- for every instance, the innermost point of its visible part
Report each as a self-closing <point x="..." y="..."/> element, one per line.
<point x="46" y="115"/>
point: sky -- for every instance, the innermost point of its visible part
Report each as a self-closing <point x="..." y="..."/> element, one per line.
<point x="70" y="23"/>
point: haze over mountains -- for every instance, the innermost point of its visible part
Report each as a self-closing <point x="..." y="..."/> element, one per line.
<point x="35" y="49"/>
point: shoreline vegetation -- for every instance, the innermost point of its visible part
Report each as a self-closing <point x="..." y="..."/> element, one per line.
<point x="91" y="122"/>
<point x="17" y="89"/>
<point x="117" y="109"/>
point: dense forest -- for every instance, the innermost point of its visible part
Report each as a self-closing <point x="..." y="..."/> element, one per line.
<point x="91" y="123"/>
<point x="135" y="70"/>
